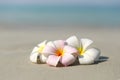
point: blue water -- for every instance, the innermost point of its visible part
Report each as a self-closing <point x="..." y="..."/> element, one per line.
<point x="60" y="15"/>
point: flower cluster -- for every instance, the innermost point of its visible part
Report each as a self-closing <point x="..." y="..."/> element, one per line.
<point x="65" y="52"/>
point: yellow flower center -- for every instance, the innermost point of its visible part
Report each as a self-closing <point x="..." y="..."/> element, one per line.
<point x="81" y="50"/>
<point x="59" y="52"/>
<point x="41" y="48"/>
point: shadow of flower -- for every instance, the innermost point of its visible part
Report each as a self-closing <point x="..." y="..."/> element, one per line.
<point x="102" y="59"/>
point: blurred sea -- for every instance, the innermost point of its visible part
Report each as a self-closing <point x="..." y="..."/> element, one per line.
<point x="41" y="15"/>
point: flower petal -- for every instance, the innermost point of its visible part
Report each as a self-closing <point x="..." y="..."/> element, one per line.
<point x="35" y="50"/>
<point x="59" y="44"/>
<point x="85" y="43"/>
<point x="48" y="50"/>
<point x="93" y="53"/>
<point x="53" y="60"/>
<point x="42" y="43"/>
<point x="90" y="56"/>
<point x="85" y="59"/>
<point x="50" y="43"/>
<point x="43" y="59"/>
<point x="33" y="57"/>
<point x="73" y="41"/>
<point x="67" y="59"/>
<point x="70" y="50"/>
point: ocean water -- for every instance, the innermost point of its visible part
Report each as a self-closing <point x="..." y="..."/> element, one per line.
<point x="42" y="15"/>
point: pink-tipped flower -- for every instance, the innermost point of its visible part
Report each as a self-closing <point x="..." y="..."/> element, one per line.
<point x="59" y="52"/>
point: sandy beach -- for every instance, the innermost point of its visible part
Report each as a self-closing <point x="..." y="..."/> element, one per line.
<point x="17" y="44"/>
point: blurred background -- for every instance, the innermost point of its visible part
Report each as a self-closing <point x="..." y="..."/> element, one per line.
<point x="26" y="23"/>
<point x="59" y="13"/>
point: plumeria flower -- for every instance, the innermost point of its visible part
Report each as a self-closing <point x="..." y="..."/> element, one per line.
<point x="58" y="52"/>
<point x="86" y="56"/>
<point x="37" y="55"/>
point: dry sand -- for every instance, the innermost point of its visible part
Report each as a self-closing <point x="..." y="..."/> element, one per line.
<point x="17" y="44"/>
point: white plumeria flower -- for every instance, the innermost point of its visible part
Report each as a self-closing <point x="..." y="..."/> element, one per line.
<point x="37" y="55"/>
<point x="86" y="56"/>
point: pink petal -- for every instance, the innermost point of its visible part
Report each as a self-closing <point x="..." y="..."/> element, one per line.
<point x="59" y="44"/>
<point x="53" y="60"/>
<point x="49" y="50"/>
<point x="67" y="59"/>
<point x="70" y="50"/>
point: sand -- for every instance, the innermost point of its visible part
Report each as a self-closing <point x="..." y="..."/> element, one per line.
<point x="17" y="44"/>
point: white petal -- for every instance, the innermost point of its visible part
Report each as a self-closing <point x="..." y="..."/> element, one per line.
<point x="50" y="43"/>
<point x="85" y="59"/>
<point x="33" y="57"/>
<point x="93" y="53"/>
<point x="35" y="50"/>
<point x="73" y="41"/>
<point x="42" y="43"/>
<point x="85" y="43"/>
<point x="90" y="56"/>
<point x="37" y="57"/>
<point x="43" y="59"/>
